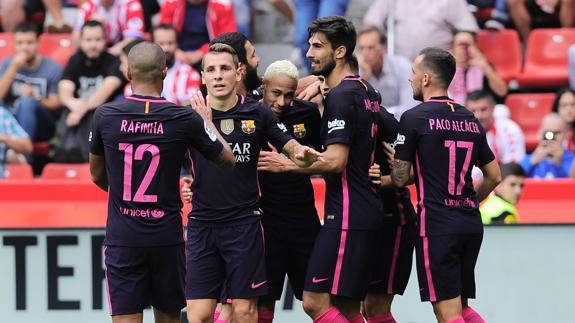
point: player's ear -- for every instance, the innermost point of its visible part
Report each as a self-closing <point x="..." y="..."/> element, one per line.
<point x="164" y="72"/>
<point x="240" y="71"/>
<point x="340" y="52"/>
<point x="426" y="79"/>
<point x="129" y="74"/>
<point x="203" y="79"/>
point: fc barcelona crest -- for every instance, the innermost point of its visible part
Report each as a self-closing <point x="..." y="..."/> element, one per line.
<point x="248" y="126"/>
<point x="227" y="126"/>
<point x="299" y="130"/>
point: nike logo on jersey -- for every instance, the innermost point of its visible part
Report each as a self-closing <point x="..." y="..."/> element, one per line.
<point x="318" y="280"/>
<point x="258" y="285"/>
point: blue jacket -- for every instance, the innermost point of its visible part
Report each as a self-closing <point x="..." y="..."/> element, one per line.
<point x="546" y="168"/>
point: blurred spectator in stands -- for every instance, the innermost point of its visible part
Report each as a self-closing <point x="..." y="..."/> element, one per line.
<point x="122" y="19"/>
<point x="387" y="74"/>
<point x="499" y="15"/>
<point x="12" y="136"/>
<point x="248" y="57"/>
<point x="473" y="72"/>
<point x="499" y="207"/>
<point x="308" y="11"/>
<point x="91" y="78"/>
<point x="550" y="159"/>
<point x="418" y="24"/>
<point x="150" y="8"/>
<point x="572" y="66"/>
<point x="528" y="14"/>
<point x="14" y="12"/>
<point x="197" y="22"/>
<point x="564" y="105"/>
<point x="504" y="136"/>
<point x="182" y="80"/>
<point x="29" y="85"/>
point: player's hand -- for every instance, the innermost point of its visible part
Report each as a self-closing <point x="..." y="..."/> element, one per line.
<point x="375" y="174"/>
<point x="200" y="106"/>
<point x="311" y="91"/>
<point x="186" y="190"/>
<point x="389" y="153"/>
<point x="273" y="162"/>
<point x="305" y="156"/>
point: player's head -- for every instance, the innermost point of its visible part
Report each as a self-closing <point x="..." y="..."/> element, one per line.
<point x="93" y="39"/>
<point x="166" y="37"/>
<point x="482" y="104"/>
<point x="432" y="69"/>
<point x="147" y="65"/>
<point x="372" y="47"/>
<point x="220" y="71"/>
<point x="124" y="56"/>
<point x="512" y="182"/>
<point x="331" y="42"/>
<point x="26" y="40"/>
<point x="247" y="56"/>
<point x="280" y="83"/>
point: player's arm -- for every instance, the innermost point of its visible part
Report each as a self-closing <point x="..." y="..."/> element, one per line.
<point x="491" y="178"/>
<point x="302" y="156"/>
<point x="400" y="173"/>
<point x="98" y="171"/>
<point x="333" y="160"/>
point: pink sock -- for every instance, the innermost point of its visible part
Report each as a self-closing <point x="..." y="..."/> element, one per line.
<point x="471" y="316"/>
<point x="331" y="316"/>
<point x="216" y="314"/>
<point x="358" y="319"/>
<point x="457" y="320"/>
<point x="265" y="316"/>
<point x="387" y="318"/>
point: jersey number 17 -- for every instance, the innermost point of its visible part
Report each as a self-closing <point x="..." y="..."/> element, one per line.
<point x="453" y="145"/>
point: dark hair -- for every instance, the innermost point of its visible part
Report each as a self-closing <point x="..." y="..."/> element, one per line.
<point x="440" y="62"/>
<point x="512" y="169"/>
<point x="92" y="23"/>
<point x="338" y="31"/>
<point x="130" y="45"/>
<point x="237" y="41"/>
<point x="222" y="48"/>
<point x="164" y="27"/>
<point x="26" y="27"/>
<point x="372" y="29"/>
<point x="480" y="95"/>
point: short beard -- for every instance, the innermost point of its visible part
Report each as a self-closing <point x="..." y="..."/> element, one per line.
<point x="252" y="81"/>
<point x="326" y="70"/>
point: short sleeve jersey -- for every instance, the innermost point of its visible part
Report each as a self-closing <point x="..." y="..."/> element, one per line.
<point x="350" y="118"/>
<point x="444" y="140"/>
<point x="287" y="199"/>
<point x="397" y="207"/>
<point x="224" y="197"/>
<point x="144" y="141"/>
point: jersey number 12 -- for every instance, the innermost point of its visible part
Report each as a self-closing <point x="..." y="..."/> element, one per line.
<point x="140" y="195"/>
<point x="453" y="145"/>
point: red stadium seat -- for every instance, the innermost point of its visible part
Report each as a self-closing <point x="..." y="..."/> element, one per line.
<point x="66" y="171"/>
<point x="528" y="110"/>
<point x="546" y="63"/>
<point x="503" y="51"/>
<point x="18" y="171"/>
<point x="6" y="45"/>
<point x="58" y="47"/>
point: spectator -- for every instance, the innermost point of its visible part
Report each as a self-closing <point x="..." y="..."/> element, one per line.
<point x="499" y="15"/>
<point x="528" y="14"/>
<point x="197" y="22"/>
<point x="181" y="80"/>
<point x="123" y="20"/>
<point x="387" y="74"/>
<point x="91" y="78"/>
<point x="504" y="136"/>
<point x="550" y="159"/>
<point x="307" y="11"/>
<point x="500" y="206"/>
<point x="12" y="136"/>
<point x="564" y="105"/>
<point x="572" y="66"/>
<point x="473" y="71"/>
<point x="29" y="85"/>
<point x="14" y="12"/>
<point x="418" y="24"/>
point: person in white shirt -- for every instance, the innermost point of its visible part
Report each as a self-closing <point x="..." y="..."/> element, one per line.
<point x="389" y="75"/>
<point x="504" y="136"/>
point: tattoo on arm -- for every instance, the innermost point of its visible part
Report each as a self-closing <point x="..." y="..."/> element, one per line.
<point x="400" y="172"/>
<point x="289" y="149"/>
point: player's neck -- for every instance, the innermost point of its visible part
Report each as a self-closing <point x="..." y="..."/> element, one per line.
<point x="146" y="90"/>
<point x="223" y="104"/>
<point x="434" y="93"/>
<point x="241" y="88"/>
<point x="339" y="72"/>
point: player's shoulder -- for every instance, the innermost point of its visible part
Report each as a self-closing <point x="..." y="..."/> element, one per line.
<point x="305" y="107"/>
<point x="386" y="116"/>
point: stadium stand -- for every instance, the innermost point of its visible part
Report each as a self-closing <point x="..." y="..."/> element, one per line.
<point x="6" y="45"/>
<point x="66" y="171"/>
<point x="18" y="171"/>
<point x="58" y="47"/>
<point x="503" y="51"/>
<point x="527" y="109"/>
